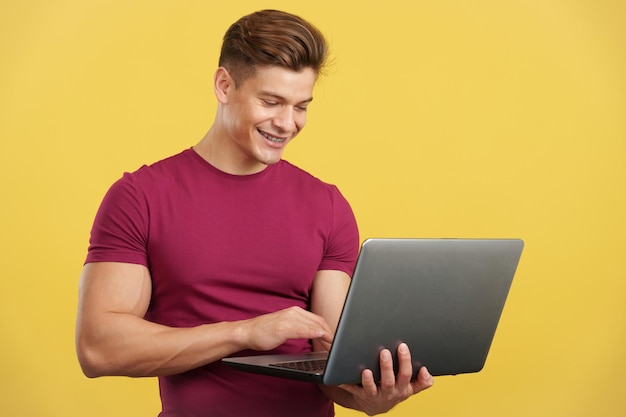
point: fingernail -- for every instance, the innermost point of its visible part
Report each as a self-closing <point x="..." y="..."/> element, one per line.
<point x="403" y="348"/>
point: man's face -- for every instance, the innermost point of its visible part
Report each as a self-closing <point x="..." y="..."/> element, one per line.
<point x="265" y="112"/>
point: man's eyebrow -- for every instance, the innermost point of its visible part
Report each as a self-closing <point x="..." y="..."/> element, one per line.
<point x="281" y="98"/>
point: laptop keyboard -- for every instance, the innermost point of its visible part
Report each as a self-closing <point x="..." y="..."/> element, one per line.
<point x="310" y="365"/>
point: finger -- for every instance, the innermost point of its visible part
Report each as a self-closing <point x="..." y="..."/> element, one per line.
<point x="321" y="344"/>
<point x="423" y="381"/>
<point x="387" y="374"/>
<point x="308" y="325"/>
<point x="368" y="383"/>
<point x="319" y="324"/>
<point x="405" y="367"/>
<point x="308" y="332"/>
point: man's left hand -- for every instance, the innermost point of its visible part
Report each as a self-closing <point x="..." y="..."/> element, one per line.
<point x="373" y="398"/>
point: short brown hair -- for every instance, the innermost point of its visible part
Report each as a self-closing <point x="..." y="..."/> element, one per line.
<point x="272" y="38"/>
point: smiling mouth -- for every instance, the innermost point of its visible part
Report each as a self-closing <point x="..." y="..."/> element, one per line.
<point x="271" y="138"/>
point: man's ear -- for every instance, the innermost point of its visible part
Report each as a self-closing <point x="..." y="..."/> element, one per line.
<point x="222" y="84"/>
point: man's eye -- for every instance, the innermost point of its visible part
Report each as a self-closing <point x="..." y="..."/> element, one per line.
<point x="270" y="103"/>
<point x="301" y="108"/>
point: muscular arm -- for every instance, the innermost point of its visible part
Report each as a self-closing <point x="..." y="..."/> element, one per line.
<point x="327" y="297"/>
<point x="113" y="338"/>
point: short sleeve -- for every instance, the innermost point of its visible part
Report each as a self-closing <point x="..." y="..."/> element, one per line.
<point x="120" y="229"/>
<point x="342" y="246"/>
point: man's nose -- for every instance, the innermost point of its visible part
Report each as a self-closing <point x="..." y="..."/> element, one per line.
<point x="285" y="119"/>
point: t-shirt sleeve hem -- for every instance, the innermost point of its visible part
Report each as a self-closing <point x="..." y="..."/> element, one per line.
<point x="116" y="257"/>
<point x="336" y="266"/>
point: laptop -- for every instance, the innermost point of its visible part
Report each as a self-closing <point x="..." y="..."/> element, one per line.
<point x="443" y="297"/>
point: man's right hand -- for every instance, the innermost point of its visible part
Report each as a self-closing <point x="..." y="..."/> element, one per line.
<point x="271" y="330"/>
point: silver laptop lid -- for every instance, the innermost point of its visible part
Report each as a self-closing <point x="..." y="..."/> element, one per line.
<point x="443" y="297"/>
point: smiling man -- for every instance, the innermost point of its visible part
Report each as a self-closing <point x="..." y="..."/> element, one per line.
<point x="226" y="248"/>
<point x="257" y="119"/>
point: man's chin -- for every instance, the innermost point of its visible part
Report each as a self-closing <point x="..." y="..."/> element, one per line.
<point x="272" y="158"/>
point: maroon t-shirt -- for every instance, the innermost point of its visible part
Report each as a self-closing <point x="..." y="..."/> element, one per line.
<point x="222" y="247"/>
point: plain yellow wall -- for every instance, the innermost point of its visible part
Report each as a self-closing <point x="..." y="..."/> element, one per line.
<point x="438" y="119"/>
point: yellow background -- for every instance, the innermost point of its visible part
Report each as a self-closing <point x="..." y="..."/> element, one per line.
<point x="437" y="119"/>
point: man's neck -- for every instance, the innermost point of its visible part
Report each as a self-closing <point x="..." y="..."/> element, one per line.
<point x="219" y="151"/>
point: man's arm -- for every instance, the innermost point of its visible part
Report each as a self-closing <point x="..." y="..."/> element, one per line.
<point x="328" y="295"/>
<point x="327" y="299"/>
<point x="113" y="338"/>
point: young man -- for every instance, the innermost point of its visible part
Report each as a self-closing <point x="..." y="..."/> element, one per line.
<point x="226" y="248"/>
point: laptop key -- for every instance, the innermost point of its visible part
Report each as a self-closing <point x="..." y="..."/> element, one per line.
<point x="313" y="365"/>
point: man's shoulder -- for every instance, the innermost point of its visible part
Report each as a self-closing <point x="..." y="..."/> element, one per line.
<point x="300" y="175"/>
<point x="154" y="177"/>
<point x="305" y="186"/>
<point x="163" y="167"/>
<point x="175" y="161"/>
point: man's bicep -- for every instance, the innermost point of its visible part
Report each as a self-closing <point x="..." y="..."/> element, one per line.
<point x="115" y="287"/>
<point x="113" y="297"/>
<point x="328" y="295"/>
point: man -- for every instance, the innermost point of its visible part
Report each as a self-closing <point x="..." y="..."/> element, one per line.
<point x="226" y="248"/>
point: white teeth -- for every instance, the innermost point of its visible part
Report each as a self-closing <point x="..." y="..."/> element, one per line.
<point x="271" y="138"/>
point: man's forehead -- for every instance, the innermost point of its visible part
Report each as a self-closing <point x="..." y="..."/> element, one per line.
<point x="283" y="83"/>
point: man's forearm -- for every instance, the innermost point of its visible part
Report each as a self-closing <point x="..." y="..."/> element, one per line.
<point x="122" y="344"/>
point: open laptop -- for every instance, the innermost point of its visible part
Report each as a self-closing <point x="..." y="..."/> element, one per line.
<point x="443" y="297"/>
